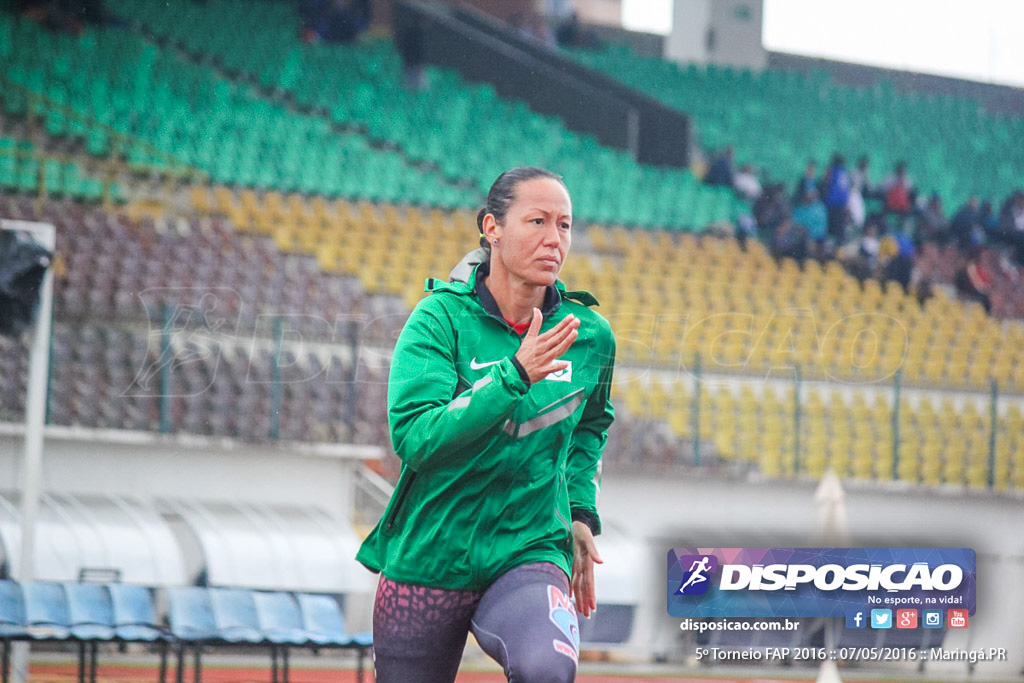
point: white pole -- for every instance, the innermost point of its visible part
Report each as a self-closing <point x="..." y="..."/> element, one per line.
<point x="35" y="419"/>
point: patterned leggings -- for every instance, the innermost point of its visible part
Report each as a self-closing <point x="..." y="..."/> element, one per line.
<point x="524" y="620"/>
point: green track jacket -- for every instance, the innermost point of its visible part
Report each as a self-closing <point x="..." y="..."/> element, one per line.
<point x="492" y="470"/>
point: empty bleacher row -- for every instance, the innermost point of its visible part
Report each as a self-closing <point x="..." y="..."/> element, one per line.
<point x="215" y="385"/>
<point x="115" y="377"/>
<point x="930" y="439"/>
<point x="187" y="111"/>
<point x="21" y="171"/>
<point x="389" y="249"/>
<point x="89" y="614"/>
<point x="360" y="87"/>
<point x="225" y="301"/>
<point x="113" y="266"/>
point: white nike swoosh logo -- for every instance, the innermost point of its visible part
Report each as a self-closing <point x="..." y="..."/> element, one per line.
<point x="473" y="365"/>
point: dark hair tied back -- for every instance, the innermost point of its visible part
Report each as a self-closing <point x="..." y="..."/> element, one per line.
<point x="503" y="193"/>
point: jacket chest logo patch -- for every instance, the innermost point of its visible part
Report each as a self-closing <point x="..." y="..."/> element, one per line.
<point x="564" y="375"/>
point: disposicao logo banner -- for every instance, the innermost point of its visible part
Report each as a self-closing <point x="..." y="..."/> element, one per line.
<point x="817" y="582"/>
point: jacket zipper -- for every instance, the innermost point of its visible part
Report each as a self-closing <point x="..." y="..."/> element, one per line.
<point x="400" y="501"/>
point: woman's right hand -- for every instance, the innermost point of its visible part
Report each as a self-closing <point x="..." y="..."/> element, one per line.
<point x="538" y="353"/>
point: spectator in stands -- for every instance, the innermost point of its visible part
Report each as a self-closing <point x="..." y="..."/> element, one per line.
<point x="867" y="249"/>
<point x="974" y="281"/>
<point x="837" y="184"/>
<point x="860" y="191"/>
<point x="965" y="229"/>
<point x="477" y="536"/>
<point x="856" y="208"/>
<point x="898" y="192"/>
<point x="925" y="290"/>
<point x="869" y="246"/>
<point x="771" y="209"/>
<point x="746" y="228"/>
<point x="745" y="182"/>
<point x="861" y="256"/>
<point x="720" y="172"/>
<point x="789" y="241"/>
<point x="932" y="225"/>
<point x="1011" y="224"/>
<point x="808" y="181"/>
<point x="899" y="266"/>
<point x="861" y="177"/>
<point x="811" y="216"/>
<point x="988" y="219"/>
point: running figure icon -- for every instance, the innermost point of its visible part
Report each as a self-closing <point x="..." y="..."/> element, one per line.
<point x="697" y="573"/>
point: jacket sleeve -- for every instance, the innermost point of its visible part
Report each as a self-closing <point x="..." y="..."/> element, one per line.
<point x="583" y="468"/>
<point x="429" y="422"/>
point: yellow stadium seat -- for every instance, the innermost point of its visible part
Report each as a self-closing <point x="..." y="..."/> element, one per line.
<point x="286" y="236"/>
<point x="327" y="258"/>
<point x="977" y="470"/>
<point x="680" y="422"/>
<point x="726" y="445"/>
<point x="931" y="464"/>
<point x="370" y="275"/>
<point x="909" y="466"/>
<point x="199" y="196"/>
<point x="953" y="462"/>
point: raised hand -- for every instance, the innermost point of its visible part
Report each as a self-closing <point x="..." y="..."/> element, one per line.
<point x="538" y="353"/>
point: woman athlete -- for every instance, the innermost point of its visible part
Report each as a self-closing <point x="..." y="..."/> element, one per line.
<point x="498" y="404"/>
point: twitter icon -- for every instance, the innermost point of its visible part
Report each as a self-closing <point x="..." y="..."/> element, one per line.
<point x="881" y="618"/>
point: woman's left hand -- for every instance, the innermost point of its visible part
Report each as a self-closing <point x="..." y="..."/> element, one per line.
<point x="584" y="558"/>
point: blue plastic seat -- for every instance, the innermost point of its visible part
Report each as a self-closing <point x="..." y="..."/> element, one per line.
<point x="90" y="613"/>
<point x="135" y="614"/>
<point x="280" y="619"/>
<point x="190" y="617"/>
<point x="323" y="618"/>
<point x="190" y="614"/>
<point x="214" y="616"/>
<point x="46" y="611"/>
<point x="12" y="621"/>
<point x="48" y="616"/>
<point x="90" y="621"/>
<point x="135" y="621"/>
<point x="234" y="614"/>
<point x="12" y="611"/>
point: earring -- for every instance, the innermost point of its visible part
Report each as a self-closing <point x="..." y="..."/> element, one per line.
<point x="495" y="240"/>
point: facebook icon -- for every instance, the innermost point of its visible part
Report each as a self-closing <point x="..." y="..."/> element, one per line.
<point x="856" y="619"/>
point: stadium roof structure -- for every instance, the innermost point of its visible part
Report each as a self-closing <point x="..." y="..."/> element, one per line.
<point x="181" y="542"/>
